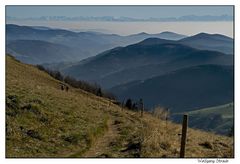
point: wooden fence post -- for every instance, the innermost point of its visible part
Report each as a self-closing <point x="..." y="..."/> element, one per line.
<point x="98" y="103"/>
<point x="167" y="114"/>
<point x="184" y="135"/>
<point x="141" y="106"/>
<point x="123" y="104"/>
<point x="166" y="119"/>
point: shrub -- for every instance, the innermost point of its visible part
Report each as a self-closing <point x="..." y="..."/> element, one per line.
<point x="161" y="112"/>
<point x="12" y="102"/>
<point x="128" y="104"/>
<point x="207" y="145"/>
<point x="40" y="67"/>
<point x="31" y="108"/>
<point x="231" y="132"/>
<point x="72" y="139"/>
<point x="165" y="145"/>
<point x="99" y="92"/>
<point x="12" y="105"/>
<point x="33" y="134"/>
<point x="86" y="86"/>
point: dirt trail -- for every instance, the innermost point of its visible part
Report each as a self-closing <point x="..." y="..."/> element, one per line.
<point x="121" y="139"/>
<point x="100" y="147"/>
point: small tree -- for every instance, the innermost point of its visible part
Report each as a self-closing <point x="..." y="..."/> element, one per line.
<point x="231" y="132"/>
<point x="99" y="92"/>
<point x="134" y="106"/>
<point x="58" y="75"/>
<point x="40" y="67"/>
<point x="128" y="104"/>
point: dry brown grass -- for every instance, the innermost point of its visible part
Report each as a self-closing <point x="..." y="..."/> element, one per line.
<point x="67" y="121"/>
<point x="161" y="113"/>
<point x="162" y="139"/>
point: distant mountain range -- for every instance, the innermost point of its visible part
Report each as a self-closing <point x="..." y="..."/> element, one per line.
<point x="36" y="51"/>
<point x="213" y="42"/>
<point x="183" y="90"/>
<point x="173" y="70"/>
<point x="163" y="72"/>
<point x="86" y="44"/>
<point x="146" y="59"/>
<point x="128" y="19"/>
<point x="80" y="45"/>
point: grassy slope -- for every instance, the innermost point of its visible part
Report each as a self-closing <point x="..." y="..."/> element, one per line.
<point x="43" y="121"/>
<point x="225" y="110"/>
<point x="218" y="119"/>
<point x="59" y="118"/>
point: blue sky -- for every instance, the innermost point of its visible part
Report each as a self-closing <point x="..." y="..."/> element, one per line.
<point x="117" y="11"/>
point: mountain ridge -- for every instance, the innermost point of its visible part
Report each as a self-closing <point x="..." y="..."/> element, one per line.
<point x="87" y="44"/>
<point x="214" y="42"/>
<point x="44" y="51"/>
<point x="168" y="55"/>
<point x="184" y="89"/>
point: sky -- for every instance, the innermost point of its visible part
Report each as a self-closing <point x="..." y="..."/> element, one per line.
<point x="117" y="11"/>
<point x="126" y="28"/>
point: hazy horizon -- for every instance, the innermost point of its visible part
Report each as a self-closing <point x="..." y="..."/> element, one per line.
<point x="186" y="20"/>
<point x="118" y="11"/>
<point x="128" y="28"/>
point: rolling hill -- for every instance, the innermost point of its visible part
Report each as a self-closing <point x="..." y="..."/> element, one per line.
<point x="183" y="90"/>
<point x="44" y="121"/>
<point x="218" y="119"/>
<point x="163" y="35"/>
<point x="214" y="42"/>
<point x="86" y="44"/>
<point x="44" y="52"/>
<point x="146" y="59"/>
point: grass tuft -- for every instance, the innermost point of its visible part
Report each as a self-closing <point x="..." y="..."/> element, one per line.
<point x="206" y="145"/>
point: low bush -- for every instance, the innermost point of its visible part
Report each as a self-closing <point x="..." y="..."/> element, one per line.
<point x="86" y="86"/>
